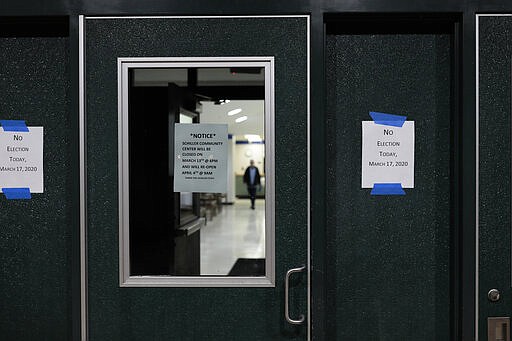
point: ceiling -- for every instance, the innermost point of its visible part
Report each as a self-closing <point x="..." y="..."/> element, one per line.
<point x="217" y="77"/>
<point x="253" y="109"/>
<point x="205" y="77"/>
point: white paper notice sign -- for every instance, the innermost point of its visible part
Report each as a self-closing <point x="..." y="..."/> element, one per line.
<point x="201" y="155"/>
<point x="21" y="159"/>
<point x="387" y="154"/>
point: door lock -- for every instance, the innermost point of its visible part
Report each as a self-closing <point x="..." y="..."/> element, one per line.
<point x="498" y="329"/>
<point x="493" y="295"/>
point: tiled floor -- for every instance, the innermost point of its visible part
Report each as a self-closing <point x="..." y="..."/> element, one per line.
<point x="236" y="232"/>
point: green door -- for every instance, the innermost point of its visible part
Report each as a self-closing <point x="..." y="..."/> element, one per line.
<point x="390" y="258"/>
<point x="494" y="171"/>
<point x="150" y="286"/>
<point x="36" y="239"/>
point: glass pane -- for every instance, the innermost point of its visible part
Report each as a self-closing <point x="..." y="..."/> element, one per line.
<point x="190" y="232"/>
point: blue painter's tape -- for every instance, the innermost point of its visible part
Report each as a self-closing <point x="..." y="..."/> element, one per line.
<point x="17" y="193"/>
<point x="388" y="189"/>
<point x="388" y="119"/>
<point x="14" y="125"/>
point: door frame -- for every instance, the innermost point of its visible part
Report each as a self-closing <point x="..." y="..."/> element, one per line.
<point x="82" y="113"/>
<point x="125" y="279"/>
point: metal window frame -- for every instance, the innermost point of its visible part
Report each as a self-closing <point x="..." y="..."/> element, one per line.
<point x="125" y="279"/>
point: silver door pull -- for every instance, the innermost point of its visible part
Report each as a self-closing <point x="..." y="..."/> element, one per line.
<point x="286" y="297"/>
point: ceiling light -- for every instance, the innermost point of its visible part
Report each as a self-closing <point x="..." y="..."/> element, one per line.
<point x="241" y="119"/>
<point x="234" y="112"/>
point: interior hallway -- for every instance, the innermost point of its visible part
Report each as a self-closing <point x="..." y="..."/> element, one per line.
<point x="235" y="232"/>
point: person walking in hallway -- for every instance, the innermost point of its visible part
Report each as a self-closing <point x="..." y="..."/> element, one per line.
<point x="252" y="180"/>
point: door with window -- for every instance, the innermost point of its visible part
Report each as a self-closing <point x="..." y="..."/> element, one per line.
<point x="195" y="164"/>
<point x="494" y="73"/>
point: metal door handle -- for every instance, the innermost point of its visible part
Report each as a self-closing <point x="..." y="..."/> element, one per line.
<point x="286" y="297"/>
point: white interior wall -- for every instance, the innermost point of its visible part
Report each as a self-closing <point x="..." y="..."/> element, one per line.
<point x="243" y="153"/>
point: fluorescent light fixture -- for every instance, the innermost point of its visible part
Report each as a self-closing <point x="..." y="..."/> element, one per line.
<point x="241" y="119"/>
<point x="253" y="138"/>
<point x="234" y="112"/>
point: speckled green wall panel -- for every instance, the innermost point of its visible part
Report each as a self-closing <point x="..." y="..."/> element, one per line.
<point x="389" y="255"/>
<point x="495" y="53"/>
<point x="35" y="234"/>
<point x="191" y="313"/>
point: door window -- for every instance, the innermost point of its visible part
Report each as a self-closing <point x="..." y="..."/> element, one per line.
<point x="221" y="234"/>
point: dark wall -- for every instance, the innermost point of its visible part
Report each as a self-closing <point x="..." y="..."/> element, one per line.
<point x="163" y="7"/>
<point x="35" y="235"/>
<point x="391" y="254"/>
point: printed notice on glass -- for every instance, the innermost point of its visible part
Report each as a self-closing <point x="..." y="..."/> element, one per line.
<point x="200" y="162"/>
<point x="387" y="154"/>
<point x="21" y="159"/>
